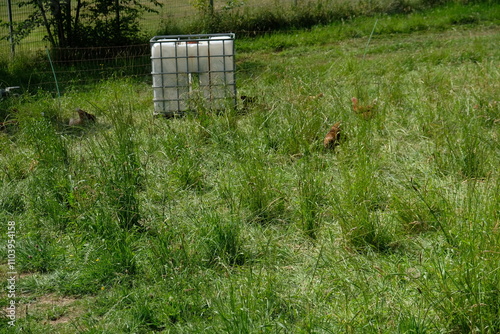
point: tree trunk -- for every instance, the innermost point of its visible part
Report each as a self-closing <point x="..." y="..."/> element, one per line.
<point x="67" y="20"/>
<point x="117" y="18"/>
<point x="46" y="23"/>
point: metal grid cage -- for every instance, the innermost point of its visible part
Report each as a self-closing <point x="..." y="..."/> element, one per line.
<point x="190" y="71"/>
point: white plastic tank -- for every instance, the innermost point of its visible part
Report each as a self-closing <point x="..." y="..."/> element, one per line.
<point x="189" y="66"/>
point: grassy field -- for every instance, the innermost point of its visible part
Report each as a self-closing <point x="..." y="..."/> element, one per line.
<point x="241" y="221"/>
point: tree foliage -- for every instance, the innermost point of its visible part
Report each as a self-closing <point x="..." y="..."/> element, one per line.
<point x="72" y="23"/>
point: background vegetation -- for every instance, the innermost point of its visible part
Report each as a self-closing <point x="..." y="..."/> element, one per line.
<point x="241" y="222"/>
<point x="38" y="24"/>
<point x="84" y="23"/>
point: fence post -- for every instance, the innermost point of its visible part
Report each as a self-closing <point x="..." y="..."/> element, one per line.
<point x="11" y="28"/>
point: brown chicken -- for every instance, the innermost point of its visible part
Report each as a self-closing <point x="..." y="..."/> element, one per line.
<point x="365" y="111"/>
<point x="84" y="117"/>
<point x="332" y="138"/>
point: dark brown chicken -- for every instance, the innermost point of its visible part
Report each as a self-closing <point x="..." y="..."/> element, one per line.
<point x="332" y="138"/>
<point x="84" y="117"/>
<point x="365" y="111"/>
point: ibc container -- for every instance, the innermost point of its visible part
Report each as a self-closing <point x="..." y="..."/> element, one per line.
<point x="187" y="69"/>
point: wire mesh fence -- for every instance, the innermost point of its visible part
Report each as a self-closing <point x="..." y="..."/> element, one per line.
<point x="80" y="65"/>
<point x="59" y="69"/>
<point x="77" y="64"/>
<point x="150" y="22"/>
<point x="36" y="40"/>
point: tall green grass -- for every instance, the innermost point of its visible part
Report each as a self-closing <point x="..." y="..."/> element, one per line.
<point x="243" y="222"/>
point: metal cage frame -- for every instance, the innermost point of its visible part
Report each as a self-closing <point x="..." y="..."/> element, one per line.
<point x="189" y="69"/>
